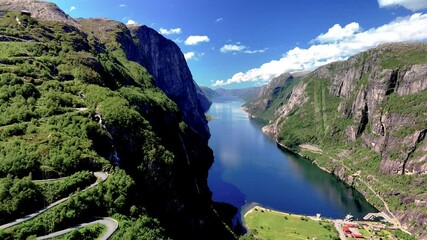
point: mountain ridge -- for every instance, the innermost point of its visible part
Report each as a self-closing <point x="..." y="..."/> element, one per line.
<point x="76" y="99"/>
<point x="366" y="113"/>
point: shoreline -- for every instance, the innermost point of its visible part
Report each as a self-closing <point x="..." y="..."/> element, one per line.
<point x="283" y="147"/>
<point x="394" y="220"/>
<point x="261" y="208"/>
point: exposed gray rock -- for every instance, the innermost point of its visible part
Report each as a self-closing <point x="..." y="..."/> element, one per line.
<point x="297" y="98"/>
<point x="39" y="9"/>
<point x="166" y="63"/>
<point x="203" y="98"/>
<point x="268" y="93"/>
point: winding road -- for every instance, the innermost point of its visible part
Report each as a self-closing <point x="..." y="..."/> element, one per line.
<point x="110" y="223"/>
<point x="101" y="177"/>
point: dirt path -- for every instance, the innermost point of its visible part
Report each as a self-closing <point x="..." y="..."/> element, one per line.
<point x="311" y="148"/>
<point x="101" y="177"/>
<point x="110" y="223"/>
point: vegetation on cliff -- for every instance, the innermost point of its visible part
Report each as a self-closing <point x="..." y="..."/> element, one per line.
<point x="71" y="103"/>
<point x="367" y="114"/>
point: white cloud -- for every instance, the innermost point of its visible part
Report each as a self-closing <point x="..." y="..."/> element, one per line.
<point x="178" y="40"/>
<point x="239" y="47"/>
<point x="122" y="5"/>
<point x="337" y="33"/>
<point x="72" y="8"/>
<point x="165" y="31"/>
<point x="194" y="40"/>
<point x="189" y="55"/>
<point x="218" y="20"/>
<point x="256" y="51"/>
<point x="232" y="48"/>
<point x="131" y="22"/>
<point x="413" y="5"/>
<point x="410" y="28"/>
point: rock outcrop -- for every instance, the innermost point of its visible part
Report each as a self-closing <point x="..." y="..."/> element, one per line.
<point x="273" y="96"/>
<point x="166" y="63"/>
<point x="39" y="9"/>
<point x="371" y="82"/>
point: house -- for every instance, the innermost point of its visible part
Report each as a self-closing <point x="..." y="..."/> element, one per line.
<point x="355" y="232"/>
<point x="346" y="230"/>
<point x="25" y="12"/>
<point x="357" y="235"/>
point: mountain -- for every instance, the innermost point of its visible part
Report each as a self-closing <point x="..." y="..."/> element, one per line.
<point x="272" y="96"/>
<point x="39" y="9"/>
<point x="85" y="95"/>
<point x="242" y="93"/>
<point x="165" y="62"/>
<point x="203" y="98"/>
<point x="364" y="120"/>
<point x="208" y="92"/>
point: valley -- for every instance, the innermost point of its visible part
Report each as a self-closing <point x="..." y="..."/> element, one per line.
<point x="106" y="133"/>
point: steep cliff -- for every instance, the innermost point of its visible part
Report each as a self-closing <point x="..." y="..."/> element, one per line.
<point x="368" y="116"/>
<point x="272" y="96"/>
<point x="203" y="98"/>
<point x="209" y="93"/>
<point x="166" y="63"/>
<point x="75" y="97"/>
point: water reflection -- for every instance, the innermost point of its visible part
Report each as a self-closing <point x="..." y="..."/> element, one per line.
<point x="250" y="168"/>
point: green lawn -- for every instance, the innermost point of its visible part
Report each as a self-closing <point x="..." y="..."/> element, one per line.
<point x="272" y="225"/>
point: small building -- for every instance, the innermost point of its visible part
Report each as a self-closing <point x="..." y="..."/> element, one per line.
<point x="26" y="12"/>
<point x="357" y="235"/>
<point x="351" y="225"/>
<point x="346" y="229"/>
<point x="355" y="232"/>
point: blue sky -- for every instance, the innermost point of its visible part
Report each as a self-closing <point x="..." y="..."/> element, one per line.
<point x="241" y="43"/>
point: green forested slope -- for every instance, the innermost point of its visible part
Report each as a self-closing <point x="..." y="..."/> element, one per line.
<point x="72" y="103"/>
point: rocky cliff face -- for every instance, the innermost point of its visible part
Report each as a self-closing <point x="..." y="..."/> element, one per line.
<point x="376" y="100"/>
<point x="203" y="98"/>
<point x="271" y="96"/>
<point x="182" y="196"/>
<point x="368" y="84"/>
<point x="165" y="62"/>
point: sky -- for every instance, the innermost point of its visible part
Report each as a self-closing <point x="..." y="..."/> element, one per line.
<point x="243" y="43"/>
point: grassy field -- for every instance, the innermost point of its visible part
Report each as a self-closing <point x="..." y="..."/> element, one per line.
<point x="265" y="224"/>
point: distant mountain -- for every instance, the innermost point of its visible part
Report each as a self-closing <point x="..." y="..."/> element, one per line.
<point x="245" y="94"/>
<point x="203" y="97"/>
<point x="209" y="92"/>
<point x="366" y="119"/>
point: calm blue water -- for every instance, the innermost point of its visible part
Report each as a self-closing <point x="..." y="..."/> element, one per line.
<point x="250" y="168"/>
